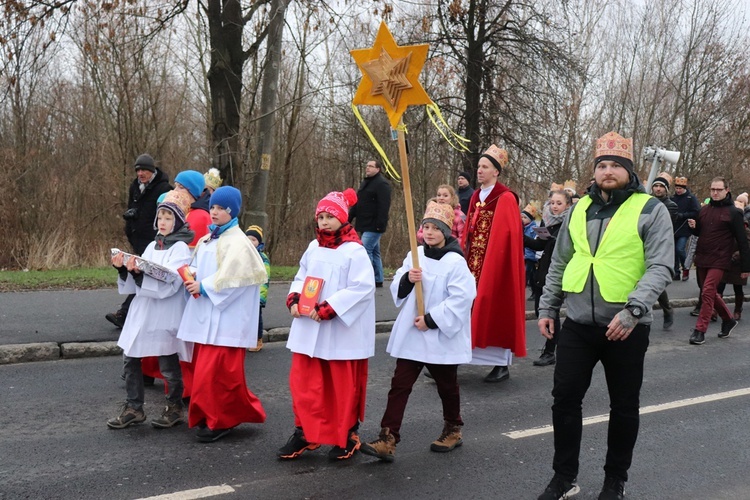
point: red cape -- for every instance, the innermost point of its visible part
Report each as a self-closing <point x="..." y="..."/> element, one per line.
<point x="493" y="243"/>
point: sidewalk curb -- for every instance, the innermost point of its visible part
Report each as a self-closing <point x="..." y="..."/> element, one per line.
<point x="53" y="351"/>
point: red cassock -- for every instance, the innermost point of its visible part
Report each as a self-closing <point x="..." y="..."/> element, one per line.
<point x="150" y="368"/>
<point x="220" y="398"/>
<point x="328" y="397"/>
<point x="493" y="245"/>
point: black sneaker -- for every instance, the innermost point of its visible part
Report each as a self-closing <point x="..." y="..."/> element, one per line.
<point x="296" y="445"/>
<point x="546" y="359"/>
<point x="352" y="445"/>
<point x="727" y="327"/>
<point x="207" y="435"/>
<point x="696" y="311"/>
<point x="613" y="489"/>
<point x="117" y="318"/>
<point x="559" y="489"/>
<point x="697" y="338"/>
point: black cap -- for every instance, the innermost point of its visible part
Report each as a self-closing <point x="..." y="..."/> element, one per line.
<point x="145" y="162"/>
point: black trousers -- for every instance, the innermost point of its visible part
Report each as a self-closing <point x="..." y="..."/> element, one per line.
<point x="579" y="349"/>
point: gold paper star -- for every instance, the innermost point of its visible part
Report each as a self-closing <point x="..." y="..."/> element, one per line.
<point x="390" y="75"/>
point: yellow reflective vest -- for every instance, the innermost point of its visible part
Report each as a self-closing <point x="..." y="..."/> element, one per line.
<point x="619" y="262"/>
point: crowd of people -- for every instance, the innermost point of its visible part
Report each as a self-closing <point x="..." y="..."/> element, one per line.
<point x="608" y="255"/>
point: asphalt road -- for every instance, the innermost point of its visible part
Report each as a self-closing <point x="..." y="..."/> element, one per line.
<point x="54" y="442"/>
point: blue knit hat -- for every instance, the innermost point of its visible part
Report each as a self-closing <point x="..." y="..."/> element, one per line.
<point x="229" y="198"/>
<point x="193" y="182"/>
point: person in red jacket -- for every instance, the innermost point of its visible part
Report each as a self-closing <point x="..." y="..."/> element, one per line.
<point x="718" y="226"/>
<point x="493" y="245"/>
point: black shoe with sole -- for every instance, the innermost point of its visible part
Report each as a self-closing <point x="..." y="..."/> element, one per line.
<point x="296" y="445"/>
<point x="696" y="311"/>
<point x="117" y="318"/>
<point x="352" y="445"/>
<point x="559" y="489"/>
<point x="207" y="435"/>
<point x="697" y="338"/>
<point x="727" y="327"/>
<point x="613" y="489"/>
<point x="498" y="374"/>
<point x="547" y="358"/>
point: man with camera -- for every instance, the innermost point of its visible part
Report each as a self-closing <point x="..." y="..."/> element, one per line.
<point x="146" y="188"/>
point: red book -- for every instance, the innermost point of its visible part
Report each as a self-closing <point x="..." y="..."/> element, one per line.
<point x="310" y="294"/>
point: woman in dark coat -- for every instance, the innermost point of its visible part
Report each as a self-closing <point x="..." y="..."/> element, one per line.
<point x="555" y="211"/>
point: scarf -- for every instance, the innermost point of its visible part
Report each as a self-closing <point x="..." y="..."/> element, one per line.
<point x="334" y="239"/>
<point x="216" y="231"/>
<point x="551" y="219"/>
<point x="166" y="242"/>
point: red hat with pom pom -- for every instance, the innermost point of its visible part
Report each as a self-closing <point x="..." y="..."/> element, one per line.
<point x="337" y="204"/>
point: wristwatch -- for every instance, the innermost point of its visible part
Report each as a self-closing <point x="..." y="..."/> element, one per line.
<point x="636" y="311"/>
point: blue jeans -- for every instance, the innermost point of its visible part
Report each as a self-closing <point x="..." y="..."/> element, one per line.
<point x="680" y="245"/>
<point x="371" y="242"/>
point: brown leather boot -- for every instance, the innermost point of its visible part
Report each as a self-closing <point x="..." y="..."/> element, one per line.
<point x="383" y="448"/>
<point x="449" y="439"/>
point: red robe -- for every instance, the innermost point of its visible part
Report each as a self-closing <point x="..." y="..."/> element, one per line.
<point x="493" y="244"/>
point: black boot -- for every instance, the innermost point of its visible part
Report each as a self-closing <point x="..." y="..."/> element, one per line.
<point x="668" y="318"/>
<point x="498" y="374"/>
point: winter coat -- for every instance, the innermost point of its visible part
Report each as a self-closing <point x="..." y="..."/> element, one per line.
<point x="464" y="196"/>
<point x="140" y="230"/>
<point x="547" y="247"/>
<point x="687" y="208"/>
<point x="373" y="204"/>
<point x="529" y="253"/>
<point x="720" y="228"/>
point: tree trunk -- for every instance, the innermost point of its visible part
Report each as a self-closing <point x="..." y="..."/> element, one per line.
<point x="269" y="97"/>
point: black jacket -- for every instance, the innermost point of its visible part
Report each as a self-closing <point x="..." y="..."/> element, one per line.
<point x="140" y="229"/>
<point x="548" y="246"/>
<point x="687" y="208"/>
<point x="464" y="196"/>
<point x="373" y="204"/>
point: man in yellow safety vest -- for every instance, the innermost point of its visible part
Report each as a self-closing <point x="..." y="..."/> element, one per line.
<point x="614" y="256"/>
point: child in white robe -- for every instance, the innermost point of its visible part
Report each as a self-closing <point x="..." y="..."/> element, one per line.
<point x="150" y="328"/>
<point x="439" y="340"/>
<point x="222" y="321"/>
<point x="331" y="345"/>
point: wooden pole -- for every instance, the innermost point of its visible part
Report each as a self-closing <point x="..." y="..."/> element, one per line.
<point x="409" y="213"/>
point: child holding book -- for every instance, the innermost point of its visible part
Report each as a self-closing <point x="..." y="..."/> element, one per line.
<point x="332" y="299"/>
<point x="150" y="328"/>
<point x="255" y="235"/>
<point x="220" y="322"/>
<point x="439" y="340"/>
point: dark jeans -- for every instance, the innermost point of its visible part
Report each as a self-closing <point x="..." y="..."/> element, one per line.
<point x="579" y="349"/>
<point x="169" y="366"/>
<point x="664" y="302"/>
<point x="260" y="323"/>
<point x="530" y="272"/>
<point x="549" y="344"/>
<point x="739" y="295"/>
<point x="407" y="372"/>
<point x="708" y="280"/>
<point x="125" y="307"/>
<point x="680" y="247"/>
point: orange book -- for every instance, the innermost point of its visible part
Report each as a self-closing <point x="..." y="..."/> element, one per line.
<point x="311" y="289"/>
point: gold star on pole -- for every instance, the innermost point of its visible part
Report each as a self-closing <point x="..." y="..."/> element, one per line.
<point x="390" y="75"/>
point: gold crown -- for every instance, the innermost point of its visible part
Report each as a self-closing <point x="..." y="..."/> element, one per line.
<point x="680" y="181"/>
<point x="613" y="144"/>
<point x="179" y="200"/>
<point x="499" y="155"/>
<point x="569" y="184"/>
<point x="556" y="187"/>
<point x="531" y="210"/>
<point x="666" y="177"/>
<point x="439" y="211"/>
<point x="213" y="178"/>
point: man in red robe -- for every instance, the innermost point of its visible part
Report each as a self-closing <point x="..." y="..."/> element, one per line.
<point x="493" y="244"/>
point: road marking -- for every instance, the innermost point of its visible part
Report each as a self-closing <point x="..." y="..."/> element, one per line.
<point x="208" y="491"/>
<point x="535" y="431"/>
